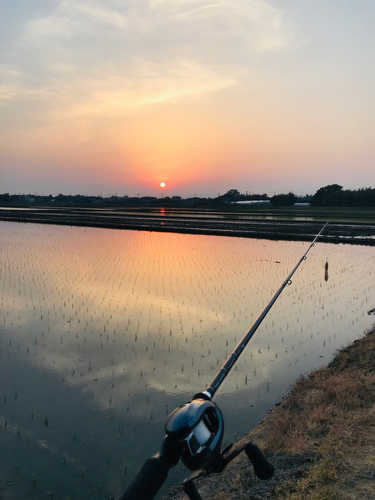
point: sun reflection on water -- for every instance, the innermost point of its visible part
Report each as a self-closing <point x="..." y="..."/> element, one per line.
<point x="104" y="332"/>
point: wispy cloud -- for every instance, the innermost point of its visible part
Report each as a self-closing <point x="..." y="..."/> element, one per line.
<point x="234" y="71"/>
<point x="256" y="23"/>
<point x="17" y="85"/>
<point x="88" y="60"/>
<point x="108" y="92"/>
<point x="81" y="18"/>
<point x="168" y="49"/>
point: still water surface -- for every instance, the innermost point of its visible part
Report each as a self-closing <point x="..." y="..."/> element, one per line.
<point x="104" y="332"/>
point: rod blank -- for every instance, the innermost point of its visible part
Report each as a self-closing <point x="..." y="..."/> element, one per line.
<point x="228" y="365"/>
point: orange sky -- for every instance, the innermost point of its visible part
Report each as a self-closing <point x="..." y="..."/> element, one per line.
<point x="106" y="97"/>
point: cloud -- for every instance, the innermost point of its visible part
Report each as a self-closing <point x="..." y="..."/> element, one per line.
<point x="17" y="85"/>
<point x="106" y="58"/>
<point x="96" y="13"/>
<point x="9" y="88"/>
<point x="256" y="23"/>
<point x="106" y="91"/>
<point x="158" y="30"/>
<point x="81" y="18"/>
<point x="8" y="92"/>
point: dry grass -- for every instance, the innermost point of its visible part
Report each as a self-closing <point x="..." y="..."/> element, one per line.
<point x="321" y="438"/>
<point x="331" y="412"/>
<point x="324" y="411"/>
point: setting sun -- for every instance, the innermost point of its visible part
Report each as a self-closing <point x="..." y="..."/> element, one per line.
<point x="162" y="184"/>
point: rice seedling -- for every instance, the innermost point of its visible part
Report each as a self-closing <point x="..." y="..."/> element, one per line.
<point x="149" y="317"/>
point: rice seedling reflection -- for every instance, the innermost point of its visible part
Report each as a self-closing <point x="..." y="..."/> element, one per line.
<point x="86" y="313"/>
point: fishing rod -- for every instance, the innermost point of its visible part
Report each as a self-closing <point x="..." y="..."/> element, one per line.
<point x="228" y="365"/>
<point x="194" y="431"/>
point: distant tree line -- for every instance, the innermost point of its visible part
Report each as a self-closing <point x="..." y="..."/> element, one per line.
<point x="284" y="200"/>
<point x="335" y="196"/>
<point x="233" y="195"/>
<point x="332" y="195"/>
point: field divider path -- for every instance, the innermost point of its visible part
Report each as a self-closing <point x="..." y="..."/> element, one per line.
<point x="353" y="233"/>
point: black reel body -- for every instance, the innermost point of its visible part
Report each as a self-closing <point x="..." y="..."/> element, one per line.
<point x="197" y="428"/>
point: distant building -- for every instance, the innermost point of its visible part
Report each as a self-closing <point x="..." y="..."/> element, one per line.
<point x="253" y="202"/>
<point x="148" y="200"/>
<point x="27" y="198"/>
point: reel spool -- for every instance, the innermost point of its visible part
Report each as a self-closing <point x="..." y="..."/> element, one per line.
<point x="197" y="428"/>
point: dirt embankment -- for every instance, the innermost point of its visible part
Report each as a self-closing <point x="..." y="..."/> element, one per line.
<point x="320" y="438"/>
<point x="210" y="223"/>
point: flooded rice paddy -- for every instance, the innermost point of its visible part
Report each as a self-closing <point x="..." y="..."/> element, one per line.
<point x="104" y="332"/>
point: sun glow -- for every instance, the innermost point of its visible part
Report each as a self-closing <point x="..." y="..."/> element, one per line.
<point x="162" y="184"/>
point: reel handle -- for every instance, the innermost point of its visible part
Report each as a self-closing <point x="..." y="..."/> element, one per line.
<point x="262" y="467"/>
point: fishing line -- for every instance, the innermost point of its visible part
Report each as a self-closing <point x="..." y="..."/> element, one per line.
<point x="211" y="390"/>
<point x="195" y="430"/>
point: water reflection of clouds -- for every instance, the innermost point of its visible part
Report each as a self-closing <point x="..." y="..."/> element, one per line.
<point x="138" y="322"/>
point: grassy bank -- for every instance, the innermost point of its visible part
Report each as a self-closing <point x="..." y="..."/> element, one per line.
<point x="321" y="438"/>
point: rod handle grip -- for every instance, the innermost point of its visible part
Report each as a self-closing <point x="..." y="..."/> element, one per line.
<point x="148" y="481"/>
<point x="262" y="467"/>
